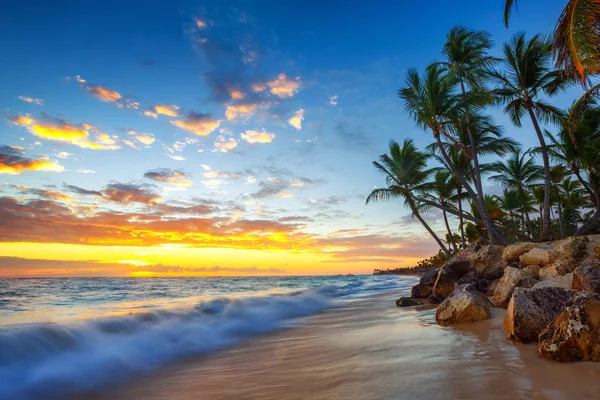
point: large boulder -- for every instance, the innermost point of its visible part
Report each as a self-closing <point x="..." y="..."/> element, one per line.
<point x="511" y="279"/>
<point x="561" y="266"/>
<point x="565" y="281"/>
<point x="485" y="258"/>
<point x="537" y="256"/>
<point x="575" y="333"/>
<point x="532" y="270"/>
<point x="479" y="281"/>
<point x="587" y="277"/>
<point x="465" y="304"/>
<point x="531" y="310"/>
<point x="571" y="247"/>
<point x="449" y="274"/>
<point x="424" y="288"/>
<point x="597" y="252"/>
<point x="513" y="251"/>
<point x="435" y="298"/>
<point x="408" y="302"/>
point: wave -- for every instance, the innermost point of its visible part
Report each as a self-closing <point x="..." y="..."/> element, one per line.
<point x="54" y="360"/>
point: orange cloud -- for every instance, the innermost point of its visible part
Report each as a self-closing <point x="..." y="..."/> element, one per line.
<point x="296" y="120"/>
<point x="13" y="162"/>
<point x="172" y="176"/>
<point x="102" y="93"/>
<point x="198" y="123"/>
<point x="283" y="87"/>
<point x="258" y="137"/>
<point x="200" y="24"/>
<point x="236" y="94"/>
<point x="63" y="131"/>
<point x="170" y="110"/>
<point x="31" y="100"/>
<point x="127" y="193"/>
<point x="143" y="138"/>
<point x="244" y="110"/>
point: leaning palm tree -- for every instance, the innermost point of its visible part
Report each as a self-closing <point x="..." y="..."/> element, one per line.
<point x="443" y="189"/>
<point x="432" y="103"/>
<point x="528" y="74"/>
<point x="517" y="173"/>
<point x="576" y="37"/>
<point x="405" y="172"/>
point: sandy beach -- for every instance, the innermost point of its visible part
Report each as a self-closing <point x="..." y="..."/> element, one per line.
<point x="369" y="349"/>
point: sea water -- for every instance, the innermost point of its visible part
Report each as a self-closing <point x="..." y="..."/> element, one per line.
<point x="59" y="336"/>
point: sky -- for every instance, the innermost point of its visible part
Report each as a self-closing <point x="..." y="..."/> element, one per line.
<point x="181" y="138"/>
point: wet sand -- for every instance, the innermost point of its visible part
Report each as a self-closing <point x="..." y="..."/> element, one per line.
<point x="370" y="349"/>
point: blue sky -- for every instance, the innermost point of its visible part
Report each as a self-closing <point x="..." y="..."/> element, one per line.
<point x="234" y="75"/>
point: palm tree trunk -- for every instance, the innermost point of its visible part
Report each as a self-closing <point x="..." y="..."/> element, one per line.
<point x="451" y="236"/>
<point x="494" y="234"/>
<point x="560" y="220"/>
<point x="431" y="232"/>
<point x="526" y="213"/>
<point x="448" y="210"/>
<point x="514" y="223"/>
<point x="460" y="217"/>
<point x="545" y="234"/>
<point x="583" y="182"/>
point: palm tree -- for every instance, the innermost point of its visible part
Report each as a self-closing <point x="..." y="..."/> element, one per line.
<point x="528" y="74"/>
<point x="510" y="201"/>
<point x="405" y="171"/>
<point x="573" y="197"/>
<point x="433" y="104"/>
<point x="576" y="37"/>
<point x="466" y="62"/>
<point x="517" y="173"/>
<point x="443" y="189"/>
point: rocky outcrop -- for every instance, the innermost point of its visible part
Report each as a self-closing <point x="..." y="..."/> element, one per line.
<point x="537" y="256"/>
<point x="435" y="299"/>
<point x="571" y="247"/>
<point x="565" y="281"/>
<point x="587" y="277"/>
<point x="485" y="258"/>
<point x="531" y="310"/>
<point x="561" y="266"/>
<point x="424" y="288"/>
<point x="512" y="252"/>
<point x="408" y="302"/>
<point x="465" y="304"/>
<point x="575" y="333"/>
<point x="532" y="270"/>
<point x="511" y="279"/>
<point x="597" y="252"/>
<point x="449" y="274"/>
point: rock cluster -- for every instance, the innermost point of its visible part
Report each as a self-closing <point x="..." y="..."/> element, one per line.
<point x="551" y="292"/>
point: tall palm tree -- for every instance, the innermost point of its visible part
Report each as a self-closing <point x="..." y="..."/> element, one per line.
<point x="466" y="62"/>
<point x="443" y="189"/>
<point x="405" y="172"/>
<point x="573" y="197"/>
<point x="517" y="173"/>
<point x="510" y="201"/>
<point x="576" y="37"/>
<point x="528" y="74"/>
<point x="433" y="104"/>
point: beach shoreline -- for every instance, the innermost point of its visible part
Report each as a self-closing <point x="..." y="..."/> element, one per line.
<point x="369" y="349"/>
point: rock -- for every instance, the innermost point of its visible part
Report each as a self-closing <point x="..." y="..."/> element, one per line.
<point x="475" y="279"/>
<point x="408" y="302"/>
<point x="494" y="275"/>
<point x="532" y="270"/>
<point x="531" y="310"/>
<point x="460" y="266"/>
<point x="587" y="277"/>
<point x="537" y="256"/>
<point x="571" y="247"/>
<point x="562" y="266"/>
<point x="597" y="252"/>
<point x="435" y="299"/>
<point x="449" y="274"/>
<point x="430" y="276"/>
<point x="575" y="333"/>
<point x="465" y="304"/>
<point x="514" y="251"/>
<point x="492" y="287"/>
<point x="485" y="258"/>
<point x="527" y="282"/>
<point x="506" y="286"/>
<point x="565" y="281"/>
<point x="421" y="291"/>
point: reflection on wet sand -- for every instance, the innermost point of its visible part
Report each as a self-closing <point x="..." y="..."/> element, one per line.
<point x="372" y="350"/>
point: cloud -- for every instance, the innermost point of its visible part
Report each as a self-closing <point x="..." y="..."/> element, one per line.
<point x="258" y="137"/>
<point x="172" y="176"/>
<point x="13" y="162"/>
<point x="198" y="123"/>
<point x="282" y="86"/>
<point x="144" y="138"/>
<point x="86" y="171"/>
<point x="240" y="110"/>
<point x="333" y="100"/>
<point x="283" y="195"/>
<point x="296" y="120"/>
<point x="205" y="167"/>
<point x="200" y="23"/>
<point x="64" y="155"/>
<point x="218" y="174"/>
<point x="127" y="193"/>
<point x="32" y="100"/>
<point x="225" y="145"/>
<point x="236" y="94"/>
<point x="81" y="191"/>
<point x="45" y="193"/>
<point x="170" y="110"/>
<point x="213" y="183"/>
<point x="62" y="131"/>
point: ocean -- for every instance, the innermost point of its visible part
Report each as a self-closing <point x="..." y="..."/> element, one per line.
<point x="62" y="336"/>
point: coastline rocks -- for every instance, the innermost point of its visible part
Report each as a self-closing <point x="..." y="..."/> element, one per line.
<point x="597" y="252"/>
<point x="575" y="333"/>
<point x="435" y="299"/>
<point x="513" y="251"/>
<point x="465" y="304"/>
<point x="587" y="277"/>
<point x="572" y="246"/>
<point x="531" y="310"/>
<point x="565" y="281"/>
<point x="408" y="302"/>
<point x="562" y="266"/>
<point x="449" y="274"/>
<point x="536" y="256"/>
<point x="532" y="270"/>
<point x="485" y="258"/>
<point x="424" y="288"/>
<point x="510" y="280"/>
